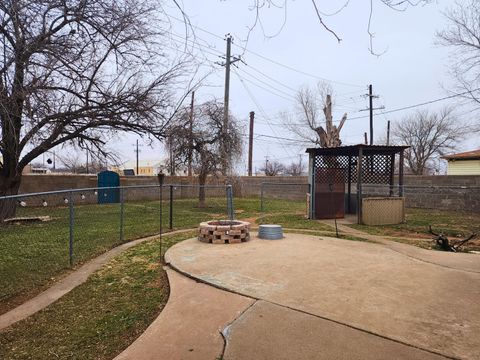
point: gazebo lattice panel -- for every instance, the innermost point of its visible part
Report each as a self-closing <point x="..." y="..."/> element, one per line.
<point x="376" y="169"/>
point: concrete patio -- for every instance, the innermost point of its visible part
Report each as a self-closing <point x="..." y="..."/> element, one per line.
<point x="328" y="298"/>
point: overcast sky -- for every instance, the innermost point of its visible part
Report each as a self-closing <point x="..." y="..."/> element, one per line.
<point x="412" y="70"/>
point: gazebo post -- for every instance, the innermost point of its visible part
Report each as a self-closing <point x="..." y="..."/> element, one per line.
<point x="392" y="173"/>
<point x="349" y="185"/>
<point x="359" y="185"/>
<point x="400" y="175"/>
<point x="311" y="181"/>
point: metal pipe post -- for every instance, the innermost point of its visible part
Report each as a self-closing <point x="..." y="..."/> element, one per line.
<point x="171" y="207"/>
<point x="122" y="214"/>
<point x="359" y="185"/>
<point x="161" y="178"/>
<point x="261" y="198"/>
<point x="230" y="210"/>
<point x="71" y="223"/>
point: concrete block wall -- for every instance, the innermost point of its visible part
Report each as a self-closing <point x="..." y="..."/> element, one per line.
<point x="431" y="192"/>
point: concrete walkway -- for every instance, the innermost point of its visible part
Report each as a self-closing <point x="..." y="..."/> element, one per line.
<point x="68" y="283"/>
<point x="190" y="325"/>
<point x="363" y="286"/>
<point x="459" y="261"/>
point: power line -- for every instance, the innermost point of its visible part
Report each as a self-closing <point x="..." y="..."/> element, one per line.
<point x="267" y="84"/>
<point x="291" y="68"/>
<point x="265" y="89"/>
<point x="431" y="101"/>
<point x="420" y="104"/>
<point x="272" y="79"/>
<point x="258" y="105"/>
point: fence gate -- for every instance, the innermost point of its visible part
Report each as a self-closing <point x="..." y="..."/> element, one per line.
<point x="108" y="179"/>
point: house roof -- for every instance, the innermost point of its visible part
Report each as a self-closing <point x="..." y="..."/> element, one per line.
<point x="468" y="155"/>
<point x="353" y="150"/>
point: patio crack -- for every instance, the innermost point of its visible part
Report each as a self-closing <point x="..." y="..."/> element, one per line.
<point x="226" y="330"/>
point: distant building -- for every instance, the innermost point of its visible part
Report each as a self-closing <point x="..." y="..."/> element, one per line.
<point x="30" y="169"/>
<point x="145" y="168"/>
<point x="465" y="163"/>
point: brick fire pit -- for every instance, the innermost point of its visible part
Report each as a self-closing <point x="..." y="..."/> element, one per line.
<point x="224" y="232"/>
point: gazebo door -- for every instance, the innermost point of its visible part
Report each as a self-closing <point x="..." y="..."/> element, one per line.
<point x="329" y="194"/>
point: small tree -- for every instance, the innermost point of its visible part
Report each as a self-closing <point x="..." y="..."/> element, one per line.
<point x="295" y="168"/>
<point x="429" y="135"/>
<point x="310" y="105"/>
<point x="273" y="168"/>
<point x="208" y="142"/>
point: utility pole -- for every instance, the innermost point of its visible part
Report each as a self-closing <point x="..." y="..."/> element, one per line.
<point x="86" y="165"/>
<point x="266" y="164"/>
<point x="137" y="151"/>
<point x="371" y="108"/>
<point x="226" y="100"/>
<point x="370" y="98"/>
<point x="250" y="143"/>
<point x="190" y="141"/>
<point x="388" y="133"/>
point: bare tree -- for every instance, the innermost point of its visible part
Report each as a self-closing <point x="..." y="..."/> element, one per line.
<point x="77" y="72"/>
<point x="397" y="5"/>
<point x="310" y="105"/>
<point x="296" y="168"/>
<point x="463" y="37"/>
<point x="429" y="135"/>
<point x="71" y="161"/>
<point x="208" y="143"/>
<point x="273" y="168"/>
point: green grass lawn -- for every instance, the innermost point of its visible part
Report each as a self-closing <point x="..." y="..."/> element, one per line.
<point x="451" y="223"/>
<point x="293" y="221"/>
<point x="33" y="255"/>
<point x="101" y="317"/>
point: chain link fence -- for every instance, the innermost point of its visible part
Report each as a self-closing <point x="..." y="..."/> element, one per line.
<point x="53" y="231"/>
<point x="450" y="198"/>
<point x="294" y="194"/>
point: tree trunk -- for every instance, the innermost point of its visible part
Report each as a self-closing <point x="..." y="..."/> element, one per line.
<point x="202" y="179"/>
<point x="8" y="186"/>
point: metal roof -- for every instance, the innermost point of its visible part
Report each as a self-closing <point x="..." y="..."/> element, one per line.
<point x="468" y="155"/>
<point x="353" y="150"/>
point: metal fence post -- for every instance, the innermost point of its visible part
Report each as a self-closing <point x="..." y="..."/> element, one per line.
<point x="171" y="207"/>
<point x="261" y="197"/>
<point x="230" y="210"/>
<point x="161" y="179"/>
<point x="71" y="224"/>
<point x="122" y="214"/>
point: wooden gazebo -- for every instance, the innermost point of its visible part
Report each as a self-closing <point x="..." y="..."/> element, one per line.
<point x="338" y="176"/>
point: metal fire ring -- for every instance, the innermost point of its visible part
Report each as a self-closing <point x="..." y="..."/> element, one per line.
<point x="270" y="232"/>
